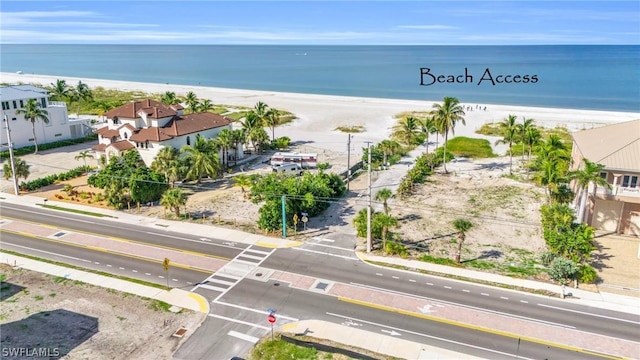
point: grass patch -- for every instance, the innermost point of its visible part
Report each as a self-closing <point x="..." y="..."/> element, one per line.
<point x="469" y="147"/>
<point x="60" y="279"/>
<point x="54" y="207"/>
<point x="38" y="297"/>
<point x="439" y="261"/>
<point x="158" y="305"/>
<point x="480" y="264"/>
<point x="235" y="116"/>
<point x="350" y="129"/>
<point x="278" y="349"/>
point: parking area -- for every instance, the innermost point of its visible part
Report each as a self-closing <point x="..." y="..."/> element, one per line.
<point x="618" y="264"/>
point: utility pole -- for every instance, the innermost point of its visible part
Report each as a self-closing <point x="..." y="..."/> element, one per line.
<point x="14" y="176"/>
<point x="284" y="218"/>
<point x="349" y="160"/>
<point x="369" y="205"/>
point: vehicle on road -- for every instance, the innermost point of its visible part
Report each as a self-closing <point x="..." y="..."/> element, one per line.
<point x="288" y="169"/>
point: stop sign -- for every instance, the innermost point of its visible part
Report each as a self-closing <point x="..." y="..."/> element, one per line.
<point x="271" y="318"/>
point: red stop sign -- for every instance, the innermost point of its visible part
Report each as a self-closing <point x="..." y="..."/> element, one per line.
<point x="271" y="318"/>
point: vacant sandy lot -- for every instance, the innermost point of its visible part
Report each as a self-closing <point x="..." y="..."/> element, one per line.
<point x="81" y="321"/>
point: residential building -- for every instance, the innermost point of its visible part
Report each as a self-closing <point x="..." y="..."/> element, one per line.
<point x="617" y="147"/>
<point x="149" y="125"/>
<point x="60" y="126"/>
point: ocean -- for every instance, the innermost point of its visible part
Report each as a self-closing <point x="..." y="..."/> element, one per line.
<point x="599" y="77"/>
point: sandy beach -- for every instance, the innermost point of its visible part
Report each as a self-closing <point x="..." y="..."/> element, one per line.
<point x="319" y="115"/>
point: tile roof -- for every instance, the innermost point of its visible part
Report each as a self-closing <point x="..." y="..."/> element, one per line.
<point x="184" y="125"/>
<point x="615" y="146"/>
<point x="154" y="109"/>
<point x="107" y="133"/>
<point x="99" y="147"/>
<point x="122" y="145"/>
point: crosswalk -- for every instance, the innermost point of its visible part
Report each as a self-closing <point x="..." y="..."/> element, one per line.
<point x="235" y="270"/>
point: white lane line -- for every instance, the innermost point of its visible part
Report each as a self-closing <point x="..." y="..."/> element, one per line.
<point x="214" y="288"/>
<point x="264" y="253"/>
<point x="322" y="239"/>
<point x="463" y="305"/>
<point x="425" y="335"/>
<point x="378" y="274"/>
<point x="430" y="284"/>
<point x="218" y="281"/>
<point x="97" y="263"/>
<point x="256" y="265"/>
<point x="161" y="277"/>
<point x="121" y="268"/>
<point x="135" y="271"/>
<point x="448" y="287"/>
<point x="323" y="253"/>
<point x="504" y="298"/>
<point x="174" y="280"/>
<point x="239" y="322"/>
<point x="191" y="240"/>
<point x="241" y="336"/>
<point x="47" y="252"/>
<point x="109" y="265"/>
<point x="524" y="301"/>
<point x="484" y="294"/>
<point x="149" y="274"/>
<point x="395" y="277"/>
<point x="330" y="246"/>
<point x="586" y="313"/>
<point x="189" y="283"/>
<point x="465" y="290"/>
<point x="255" y="310"/>
<point x="61" y="217"/>
<point x="251" y="257"/>
<point x="411" y="280"/>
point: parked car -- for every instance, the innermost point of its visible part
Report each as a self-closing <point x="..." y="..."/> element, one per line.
<point x="288" y="169"/>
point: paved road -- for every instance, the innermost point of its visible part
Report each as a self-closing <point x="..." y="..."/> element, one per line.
<point x="327" y="259"/>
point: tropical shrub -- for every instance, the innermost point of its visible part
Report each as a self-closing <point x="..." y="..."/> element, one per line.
<point x="50" y="179"/>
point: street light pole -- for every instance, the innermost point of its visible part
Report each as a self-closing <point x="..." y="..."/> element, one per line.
<point x="369" y="204"/>
<point x="14" y="176"/>
<point x="349" y="160"/>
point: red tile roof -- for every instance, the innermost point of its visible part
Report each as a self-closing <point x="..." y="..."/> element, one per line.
<point x="153" y="109"/>
<point x="184" y="125"/>
<point x="99" y="147"/>
<point x="122" y="145"/>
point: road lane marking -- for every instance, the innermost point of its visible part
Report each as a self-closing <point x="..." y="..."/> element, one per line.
<point x="147" y="274"/>
<point x="524" y="301"/>
<point x="448" y="287"/>
<point x="504" y="298"/>
<point x="411" y="280"/>
<point x="378" y="274"/>
<point x="241" y="336"/>
<point x="239" y="322"/>
<point x="135" y="271"/>
<point x="322" y="239"/>
<point x="121" y="268"/>
<point x="330" y="246"/>
<point x="109" y="265"/>
<point x="465" y="290"/>
<point x="253" y="266"/>
<point x="484" y="294"/>
<point x="437" y="301"/>
<point x="424" y="335"/>
<point x="395" y="277"/>
<point x="586" y="313"/>
<point x="47" y="252"/>
<point x="323" y="253"/>
<point x="430" y="284"/>
<point x="255" y="310"/>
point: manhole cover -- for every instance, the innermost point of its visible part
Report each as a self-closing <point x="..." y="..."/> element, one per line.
<point x="258" y="274"/>
<point x="276" y="284"/>
<point x="322" y="286"/>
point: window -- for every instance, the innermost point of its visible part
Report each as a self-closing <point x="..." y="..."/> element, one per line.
<point x="126" y="136"/>
<point x="630" y="181"/>
<point x="21" y="104"/>
<point x="116" y="121"/>
<point x="188" y="140"/>
<point x="603" y="175"/>
<point x="14" y="119"/>
<point x="146" y="144"/>
<point x="57" y="135"/>
<point x="5" y="105"/>
<point x="43" y="102"/>
<point x="15" y="105"/>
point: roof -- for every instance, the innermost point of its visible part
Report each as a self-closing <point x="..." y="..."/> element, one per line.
<point x="107" y="133"/>
<point x="181" y="125"/>
<point x="122" y="145"/>
<point x="615" y="146"/>
<point x="99" y="147"/>
<point x="154" y="109"/>
<point x="17" y="92"/>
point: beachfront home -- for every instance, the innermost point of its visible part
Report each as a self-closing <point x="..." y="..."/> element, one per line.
<point x="149" y="125"/>
<point x="617" y="147"/>
<point x="60" y="126"/>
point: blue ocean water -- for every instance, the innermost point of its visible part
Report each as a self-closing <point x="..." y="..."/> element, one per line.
<point x="573" y="76"/>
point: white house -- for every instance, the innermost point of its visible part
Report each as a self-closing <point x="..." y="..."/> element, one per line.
<point x="60" y="126"/>
<point x="149" y="125"/>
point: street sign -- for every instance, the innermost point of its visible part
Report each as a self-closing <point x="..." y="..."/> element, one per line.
<point x="295" y="219"/>
<point x="271" y="318"/>
<point x="305" y="219"/>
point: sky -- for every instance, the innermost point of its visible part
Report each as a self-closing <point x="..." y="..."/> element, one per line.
<point x="320" y="22"/>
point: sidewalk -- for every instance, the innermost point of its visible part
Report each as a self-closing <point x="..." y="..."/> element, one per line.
<point x="175" y="297"/>
<point x="601" y="300"/>
<point x="203" y="230"/>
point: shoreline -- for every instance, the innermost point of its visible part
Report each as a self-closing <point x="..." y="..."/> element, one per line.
<point x="319" y="115"/>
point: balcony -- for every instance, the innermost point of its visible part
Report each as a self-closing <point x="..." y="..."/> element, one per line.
<point x="620" y="191"/>
<point x="57" y="104"/>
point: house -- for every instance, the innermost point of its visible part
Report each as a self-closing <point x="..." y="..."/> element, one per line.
<point x="617" y="147"/>
<point x="60" y="126"/>
<point x="149" y="125"/>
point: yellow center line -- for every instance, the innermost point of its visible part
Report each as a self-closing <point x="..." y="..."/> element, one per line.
<point x="99" y="249"/>
<point x="122" y="239"/>
<point x="476" y="327"/>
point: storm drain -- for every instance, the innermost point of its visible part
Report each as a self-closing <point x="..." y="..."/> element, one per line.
<point x="321" y="286"/>
<point x="58" y="234"/>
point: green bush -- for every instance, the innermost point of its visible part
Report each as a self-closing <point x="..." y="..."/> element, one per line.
<point x="587" y="274"/>
<point x="48" y="180"/>
<point x="280" y="143"/>
<point x="439" y="261"/>
<point x="394" y="248"/>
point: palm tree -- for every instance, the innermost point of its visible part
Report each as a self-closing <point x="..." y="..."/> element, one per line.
<point x="271" y="120"/>
<point x="462" y="226"/>
<point x="32" y="112"/>
<point x="386" y="221"/>
<point x="205" y="106"/>
<point x="191" y="99"/>
<point x="531" y="137"/>
<point x="167" y="161"/>
<point x="251" y="125"/>
<point x="84" y="155"/>
<point x="384" y="195"/>
<point x="225" y="141"/>
<point x="549" y="174"/>
<point x="510" y="134"/>
<point x="60" y="90"/>
<point x="446" y="116"/>
<point x="406" y="130"/>
<point x="238" y="138"/>
<point x="427" y="127"/>
<point x="260" y="138"/>
<point x="523" y="128"/>
<point x="169" y="98"/>
<point x="243" y="181"/>
<point x="589" y="175"/>
<point x="173" y="199"/>
<point x="81" y="93"/>
<point x="202" y="158"/>
<point x="562" y="194"/>
<point x="22" y="169"/>
<point x="388" y="147"/>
